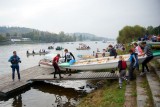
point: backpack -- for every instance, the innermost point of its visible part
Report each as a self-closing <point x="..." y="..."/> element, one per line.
<point x="124" y="65"/>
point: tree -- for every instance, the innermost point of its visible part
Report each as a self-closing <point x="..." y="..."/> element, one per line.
<point x="130" y="33"/>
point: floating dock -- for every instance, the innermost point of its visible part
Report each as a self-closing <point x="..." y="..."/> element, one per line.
<point x="37" y="73"/>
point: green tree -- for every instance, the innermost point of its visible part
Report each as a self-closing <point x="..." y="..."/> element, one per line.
<point x="130" y="33"/>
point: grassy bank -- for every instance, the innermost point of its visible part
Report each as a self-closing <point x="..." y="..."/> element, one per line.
<point x="108" y="96"/>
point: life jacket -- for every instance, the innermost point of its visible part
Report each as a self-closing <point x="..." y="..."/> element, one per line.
<point x="68" y="56"/>
<point x="124" y="65"/>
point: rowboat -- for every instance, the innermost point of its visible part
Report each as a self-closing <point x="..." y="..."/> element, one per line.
<point x="103" y="63"/>
<point x="99" y="55"/>
<point x="58" y="48"/>
<point x="82" y="48"/>
<point x="149" y="42"/>
<point x="37" y="53"/>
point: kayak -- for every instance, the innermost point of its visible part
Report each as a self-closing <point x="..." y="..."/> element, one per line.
<point x="103" y="63"/>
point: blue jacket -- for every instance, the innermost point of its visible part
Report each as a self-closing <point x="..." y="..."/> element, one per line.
<point x="14" y="60"/>
<point x="133" y="60"/>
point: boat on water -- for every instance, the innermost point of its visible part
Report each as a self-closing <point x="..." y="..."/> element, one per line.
<point x="58" y="48"/>
<point x="50" y="47"/>
<point x="103" y="63"/>
<point x="38" y="53"/>
<point x="83" y="46"/>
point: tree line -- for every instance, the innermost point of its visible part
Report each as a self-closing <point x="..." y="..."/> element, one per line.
<point x="7" y="33"/>
<point x="132" y="33"/>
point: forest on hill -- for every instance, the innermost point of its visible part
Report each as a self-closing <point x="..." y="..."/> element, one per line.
<point x="6" y="33"/>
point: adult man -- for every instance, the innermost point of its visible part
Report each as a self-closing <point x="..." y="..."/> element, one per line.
<point x="15" y="66"/>
<point x="148" y="52"/>
<point x="68" y="56"/>
<point x="55" y="65"/>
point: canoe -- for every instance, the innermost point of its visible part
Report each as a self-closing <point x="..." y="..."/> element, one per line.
<point x="149" y="42"/>
<point x="104" y="63"/>
<point x="82" y="48"/>
<point x="41" y="53"/>
<point x="91" y="56"/>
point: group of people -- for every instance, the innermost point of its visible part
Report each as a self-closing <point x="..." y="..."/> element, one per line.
<point x="134" y="64"/>
<point x="68" y="57"/>
<point x="122" y="66"/>
<point x="152" y="38"/>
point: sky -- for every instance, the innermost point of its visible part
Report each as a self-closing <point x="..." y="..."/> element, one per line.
<point x="100" y="17"/>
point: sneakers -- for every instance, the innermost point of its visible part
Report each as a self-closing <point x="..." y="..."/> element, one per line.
<point x="142" y="73"/>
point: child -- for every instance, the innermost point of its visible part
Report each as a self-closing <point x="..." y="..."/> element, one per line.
<point x="133" y="63"/>
<point x="122" y="65"/>
<point x="56" y="67"/>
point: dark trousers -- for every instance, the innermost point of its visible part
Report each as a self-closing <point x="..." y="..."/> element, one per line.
<point x="144" y="63"/>
<point x="68" y="70"/>
<point x="57" y="69"/>
<point x="131" y="70"/>
<point x="15" y="68"/>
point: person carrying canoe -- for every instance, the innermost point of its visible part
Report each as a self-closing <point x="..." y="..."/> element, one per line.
<point x="148" y="52"/>
<point x="68" y="56"/>
<point x="56" y="67"/>
<point x="133" y="63"/>
<point x="112" y="51"/>
<point x="122" y="65"/>
<point x="138" y="51"/>
<point x="15" y="66"/>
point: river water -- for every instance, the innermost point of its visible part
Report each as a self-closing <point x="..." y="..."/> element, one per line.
<point x="45" y="94"/>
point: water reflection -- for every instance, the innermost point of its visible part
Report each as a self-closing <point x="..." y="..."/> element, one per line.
<point x="17" y="101"/>
<point x="44" y="94"/>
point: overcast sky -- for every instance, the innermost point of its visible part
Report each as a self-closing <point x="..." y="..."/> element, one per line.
<point x="100" y="17"/>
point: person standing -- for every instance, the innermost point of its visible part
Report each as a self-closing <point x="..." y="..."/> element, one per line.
<point x="56" y="67"/>
<point x="15" y="60"/>
<point x="133" y="63"/>
<point x="138" y="52"/>
<point x="112" y="51"/>
<point x="148" y="52"/>
<point x="122" y="65"/>
<point x="68" y="56"/>
<point x="138" y="49"/>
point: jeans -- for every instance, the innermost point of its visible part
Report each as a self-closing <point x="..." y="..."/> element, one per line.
<point x="144" y="63"/>
<point x="15" y="68"/>
<point x="122" y="76"/>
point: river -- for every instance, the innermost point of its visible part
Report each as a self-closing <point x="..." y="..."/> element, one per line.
<point x="45" y="94"/>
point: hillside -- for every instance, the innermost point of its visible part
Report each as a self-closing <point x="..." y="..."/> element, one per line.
<point x="7" y="33"/>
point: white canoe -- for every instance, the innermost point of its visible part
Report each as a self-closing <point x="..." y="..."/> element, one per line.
<point x="101" y="63"/>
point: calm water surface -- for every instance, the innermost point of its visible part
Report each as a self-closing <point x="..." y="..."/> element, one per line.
<point x="44" y="94"/>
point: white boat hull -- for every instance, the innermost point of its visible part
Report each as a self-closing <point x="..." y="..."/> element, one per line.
<point x="107" y="65"/>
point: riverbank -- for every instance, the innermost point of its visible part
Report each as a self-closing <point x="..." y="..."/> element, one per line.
<point x="108" y="96"/>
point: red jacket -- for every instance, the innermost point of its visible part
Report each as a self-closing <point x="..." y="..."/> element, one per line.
<point x="55" y="59"/>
